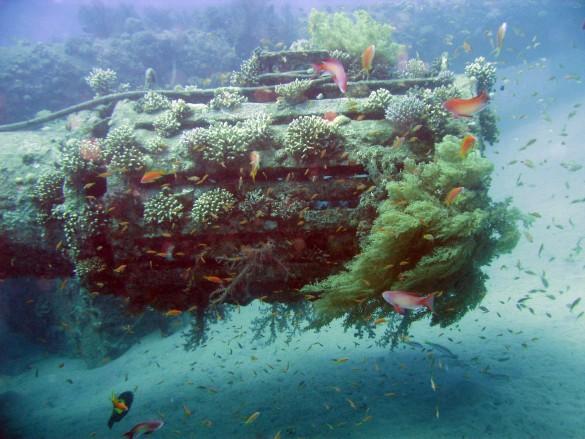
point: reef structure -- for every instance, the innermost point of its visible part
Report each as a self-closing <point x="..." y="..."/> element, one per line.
<point x="317" y="197"/>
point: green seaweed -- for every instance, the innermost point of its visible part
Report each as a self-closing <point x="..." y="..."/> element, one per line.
<point x="352" y="34"/>
<point x="419" y="243"/>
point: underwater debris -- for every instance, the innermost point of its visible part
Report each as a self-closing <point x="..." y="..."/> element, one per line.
<point x="102" y="81"/>
<point x="250" y="262"/>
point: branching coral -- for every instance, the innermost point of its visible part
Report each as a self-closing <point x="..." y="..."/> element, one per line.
<point x="153" y="102"/>
<point x="282" y="206"/>
<point x="122" y="150"/>
<point x="102" y="81"/>
<point x="163" y="209"/>
<point x="352" y="34"/>
<point x="79" y="157"/>
<point x="483" y="72"/>
<point x="225" y="143"/>
<point x="378" y="101"/>
<point x="418" y="243"/>
<point x="81" y="223"/>
<point x="414" y="68"/>
<point x="169" y="122"/>
<point x="156" y="145"/>
<point x="48" y="191"/>
<point x="405" y="111"/>
<point x="421" y="107"/>
<point x="248" y="74"/>
<point x="293" y="92"/>
<point x="211" y="206"/>
<point x="308" y="136"/>
<point x="251" y="261"/>
<point x="226" y="99"/>
<point x="88" y="267"/>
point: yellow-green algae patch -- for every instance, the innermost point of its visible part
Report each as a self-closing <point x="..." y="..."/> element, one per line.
<point x="418" y="243"/>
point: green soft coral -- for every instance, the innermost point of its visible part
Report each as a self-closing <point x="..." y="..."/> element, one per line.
<point x="353" y="34"/>
<point x="418" y="243"/>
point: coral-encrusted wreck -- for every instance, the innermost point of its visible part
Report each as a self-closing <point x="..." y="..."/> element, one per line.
<point x="280" y="188"/>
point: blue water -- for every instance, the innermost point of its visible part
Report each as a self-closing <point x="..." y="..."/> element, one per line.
<point x="500" y="372"/>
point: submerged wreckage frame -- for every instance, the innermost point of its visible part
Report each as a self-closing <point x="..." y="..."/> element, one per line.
<point x="348" y="194"/>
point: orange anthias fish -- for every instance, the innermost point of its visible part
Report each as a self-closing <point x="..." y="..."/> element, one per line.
<point x="255" y="164"/>
<point x="144" y="428"/>
<point x="452" y="195"/>
<point x="467" y="107"/>
<point x="151" y="176"/>
<point x="368" y="58"/>
<point x="335" y="68"/>
<point x="467" y="145"/>
<point x="329" y="116"/>
<point x="173" y="313"/>
<point x="213" y="279"/>
<point x="402" y="300"/>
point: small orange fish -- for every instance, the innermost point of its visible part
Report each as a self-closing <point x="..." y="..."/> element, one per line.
<point x="255" y="164"/>
<point x="335" y="68"/>
<point x="330" y="116"/>
<point x="173" y="313"/>
<point x="467" y="107"/>
<point x="368" y="58"/>
<point x="467" y="145"/>
<point x="120" y="269"/>
<point x="214" y="279"/>
<point x="452" y="195"/>
<point x="151" y="177"/>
